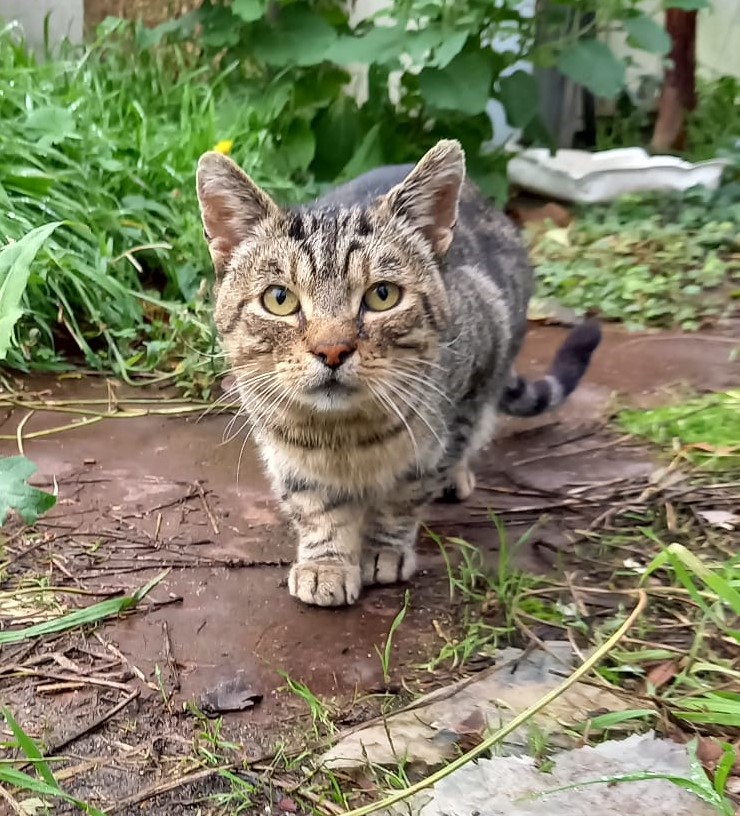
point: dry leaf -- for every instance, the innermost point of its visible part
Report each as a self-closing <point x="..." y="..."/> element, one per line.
<point x="661" y="674"/>
<point x="720" y="518"/>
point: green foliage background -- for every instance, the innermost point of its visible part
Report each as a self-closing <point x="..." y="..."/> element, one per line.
<point x="105" y="139"/>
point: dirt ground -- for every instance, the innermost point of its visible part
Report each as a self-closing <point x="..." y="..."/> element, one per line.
<point x="137" y="496"/>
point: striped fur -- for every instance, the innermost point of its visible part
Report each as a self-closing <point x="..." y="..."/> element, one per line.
<point x="357" y="451"/>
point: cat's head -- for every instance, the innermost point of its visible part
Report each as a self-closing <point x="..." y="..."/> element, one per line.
<point x="331" y="309"/>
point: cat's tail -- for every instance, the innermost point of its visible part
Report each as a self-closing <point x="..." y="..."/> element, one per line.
<point x="523" y="398"/>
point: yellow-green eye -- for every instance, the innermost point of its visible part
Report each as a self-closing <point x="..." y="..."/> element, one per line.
<point x="280" y="301"/>
<point x="382" y="296"/>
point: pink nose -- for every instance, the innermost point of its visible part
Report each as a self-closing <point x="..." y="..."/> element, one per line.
<point x="333" y="354"/>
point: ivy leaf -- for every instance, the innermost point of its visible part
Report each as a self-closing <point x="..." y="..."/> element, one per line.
<point x="300" y="37"/>
<point x="687" y="5"/>
<point x="519" y="95"/>
<point x="249" y="10"/>
<point x="15" y="494"/>
<point x="645" y="33"/>
<point x="592" y="64"/>
<point x="464" y="85"/>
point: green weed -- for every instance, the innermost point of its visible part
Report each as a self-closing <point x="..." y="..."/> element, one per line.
<point x="697" y="782"/>
<point x="319" y="711"/>
<point x="102" y="143"/>
<point x="42" y="784"/>
<point x="386" y="652"/>
<point x="650" y="260"/>
<point x="704" y="430"/>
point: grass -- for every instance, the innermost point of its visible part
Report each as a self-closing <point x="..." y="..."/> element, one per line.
<point x="385" y="654"/>
<point x="704" y="431"/>
<point x="99" y="147"/>
<point x="647" y="261"/>
<point x="41" y="785"/>
<point x="81" y="617"/>
<point x="105" y="142"/>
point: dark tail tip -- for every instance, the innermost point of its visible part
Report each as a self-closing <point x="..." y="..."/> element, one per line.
<point x="573" y="357"/>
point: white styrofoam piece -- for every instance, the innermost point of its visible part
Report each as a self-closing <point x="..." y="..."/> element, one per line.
<point x="589" y="178"/>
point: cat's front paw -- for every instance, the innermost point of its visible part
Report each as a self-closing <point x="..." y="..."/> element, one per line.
<point x="387" y="566"/>
<point x="325" y="583"/>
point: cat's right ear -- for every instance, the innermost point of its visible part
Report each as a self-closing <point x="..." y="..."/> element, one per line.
<point x="231" y="205"/>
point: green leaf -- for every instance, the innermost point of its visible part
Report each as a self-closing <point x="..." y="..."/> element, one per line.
<point x="300" y="37"/>
<point x="30" y="749"/>
<point x="15" y="494"/>
<point x="591" y="63"/>
<point x="298" y="144"/>
<point x="643" y="32"/>
<point x="519" y="95"/>
<point x="464" y="85"/>
<point x="381" y="45"/>
<point x="52" y="123"/>
<point x="219" y="29"/>
<point x="367" y="156"/>
<point x="15" y="268"/>
<point x="451" y="44"/>
<point x="249" y="10"/>
<point x="687" y="5"/>
<point x="337" y="130"/>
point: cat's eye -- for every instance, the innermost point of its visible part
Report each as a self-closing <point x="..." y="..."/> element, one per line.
<point x="280" y="301"/>
<point x="382" y="296"/>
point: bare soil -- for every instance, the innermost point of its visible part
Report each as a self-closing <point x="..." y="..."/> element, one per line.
<point x="138" y="496"/>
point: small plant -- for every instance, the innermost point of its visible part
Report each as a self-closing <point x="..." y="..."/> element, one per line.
<point x="703" y="431"/>
<point x="81" y="617"/>
<point x="656" y="260"/>
<point x="42" y="784"/>
<point x="386" y="653"/>
<point x="320" y="714"/>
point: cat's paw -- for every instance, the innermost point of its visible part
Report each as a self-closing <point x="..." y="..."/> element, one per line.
<point x="461" y="487"/>
<point x="325" y="583"/>
<point x="387" y="566"/>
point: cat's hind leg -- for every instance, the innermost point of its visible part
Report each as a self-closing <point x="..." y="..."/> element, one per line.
<point x="460" y="480"/>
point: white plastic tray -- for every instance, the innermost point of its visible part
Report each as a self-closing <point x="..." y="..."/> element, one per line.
<point x="589" y="178"/>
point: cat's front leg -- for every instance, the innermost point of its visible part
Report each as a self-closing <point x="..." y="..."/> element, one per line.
<point x="389" y="538"/>
<point x="327" y="570"/>
<point x="388" y="552"/>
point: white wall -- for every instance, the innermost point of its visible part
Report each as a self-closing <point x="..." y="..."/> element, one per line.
<point x="66" y="19"/>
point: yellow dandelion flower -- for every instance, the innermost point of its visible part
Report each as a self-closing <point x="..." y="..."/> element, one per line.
<point x="224" y="146"/>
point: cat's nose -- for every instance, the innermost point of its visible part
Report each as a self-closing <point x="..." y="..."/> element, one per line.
<point x="333" y="355"/>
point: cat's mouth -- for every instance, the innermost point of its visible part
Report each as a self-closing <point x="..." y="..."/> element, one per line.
<point x="333" y="386"/>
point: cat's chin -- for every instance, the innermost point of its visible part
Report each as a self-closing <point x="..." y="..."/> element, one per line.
<point x="332" y="398"/>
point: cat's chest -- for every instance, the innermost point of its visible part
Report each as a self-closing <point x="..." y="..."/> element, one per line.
<point x="369" y="459"/>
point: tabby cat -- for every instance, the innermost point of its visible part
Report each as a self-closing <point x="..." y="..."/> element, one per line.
<point x="372" y="335"/>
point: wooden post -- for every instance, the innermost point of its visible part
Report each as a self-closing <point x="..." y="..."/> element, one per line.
<point x="679" y="86"/>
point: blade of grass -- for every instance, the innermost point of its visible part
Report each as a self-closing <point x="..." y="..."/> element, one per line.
<point x="82" y="617"/>
<point x="29" y="748"/>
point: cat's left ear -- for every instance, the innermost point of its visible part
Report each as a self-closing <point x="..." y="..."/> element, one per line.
<point x="430" y="194"/>
<point x="231" y="205"/>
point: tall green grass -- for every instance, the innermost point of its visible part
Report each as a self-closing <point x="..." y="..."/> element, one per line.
<point x="106" y="141"/>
